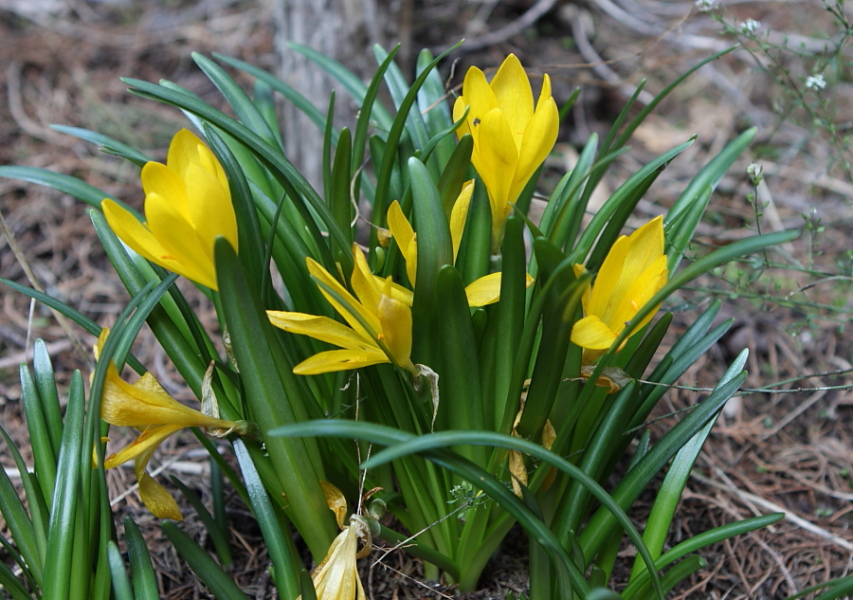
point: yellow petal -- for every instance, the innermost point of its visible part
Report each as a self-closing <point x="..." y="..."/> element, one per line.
<point x="518" y="472"/>
<point x="187" y="206"/>
<point x="211" y="210"/>
<point x="143" y="446"/>
<point x="459" y="215"/>
<point x="178" y="236"/>
<point x="321" y="328"/>
<point x="514" y="96"/>
<point x="335" y="501"/>
<point x="402" y="231"/>
<point x="146" y="403"/>
<point x="187" y="149"/>
<point x="540" y="135"/>
<point x="459" y="107"/>
<point x="353" y="307"/>
<point x="478" y="95"/>
<point x="485" y="290"/>
<point x="396" y="320"/>
<point x="137" y="236"/>
<point x="591" y="332"/>
<point x="398" y="292"/>
<point x="340" y="360"/>
<point x="639" y="292"/>
<point x="336" y="578"/>
<point x="157" y="500"/>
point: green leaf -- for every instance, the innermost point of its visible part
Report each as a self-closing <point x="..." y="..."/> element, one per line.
<point x="12" y="585"/>
<point x="562" y="218"/>
<point x="679" y="573"/>
<point x="211" y="574"/>
<point x="44" y="452"/>
<point x="286" y="566"/>
<point x="568" y="575"/>
<point x="398" y="87"/>
<point x="425" y="443"/>
<point x="63" y="183"/>
<point x="435" y="250"/>
<point x="246" y="111"/>
<point x="634" y="482"/>
<point x="351" y="82"/>
<point x="248" y="224"/>
<point x="217" y="535"/>
<point x="338" y="197"/>
<point x="461" y="395"/>
<point x="105" y="143"/>
<point x="607" y="223"/>
<point x="392" y="143"/>
<point x="65" y="503"/>
<point x="669" y="495"/>
<point x="267" y="379"/>
<point x="142" y="572"/>
<point x="299" y="101"/>
<point x="507" y="317"/>
<point x="120" y="581"/>
<point x="17" y="520"/>
<point x="683" y="217"/>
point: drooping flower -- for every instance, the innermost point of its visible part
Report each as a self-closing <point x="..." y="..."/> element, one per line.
<point x="146" y="406"/>
<point x="634" y="270"/>
<point x="336" y="578"/>
<point x="187" y="206"/>
<point x="379" y="319"/>
<point x="511" y="137"/>
<point x="483" y="291"/>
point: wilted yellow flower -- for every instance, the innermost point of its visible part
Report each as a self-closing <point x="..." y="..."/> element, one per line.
<point x="187" y="206"/>
<point x="380" y="322"/>
<point x="511" y="137"/>
<point x="483" y="291"/>
<point x="336" y="578"/>
<point x="146" y="406"/>
<point x="634" y="270"/>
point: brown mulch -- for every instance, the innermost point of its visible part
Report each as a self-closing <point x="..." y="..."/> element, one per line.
<point x="787" y="445"/>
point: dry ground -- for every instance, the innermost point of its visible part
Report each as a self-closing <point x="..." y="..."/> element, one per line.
<point x="788" y="450"/>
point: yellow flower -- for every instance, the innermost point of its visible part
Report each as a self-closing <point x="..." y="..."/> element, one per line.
<point x="380" y="322"/>
<point x="633" y="271"/>
<point x="511" y="137"/>
<point x="187" y="206"/>
<point x="146" y="406"/>
<point x="336" y="578"/>
<point x="483" y="291"/>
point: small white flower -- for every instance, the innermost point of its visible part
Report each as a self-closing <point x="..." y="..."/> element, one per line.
<point x="749" y="26"/>
<point x="815" y="82"/>
<point x="754" y="171"/>
<point x="705" y="5"/>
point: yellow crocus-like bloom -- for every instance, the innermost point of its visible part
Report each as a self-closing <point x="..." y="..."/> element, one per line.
<point x="146" y="406"/>
<point x="187" y="206"/>
<point x="634" y="270"/>
<point x="379" y="322"/>
<point x="511" y="137"/>
<point x="483" y="291"/>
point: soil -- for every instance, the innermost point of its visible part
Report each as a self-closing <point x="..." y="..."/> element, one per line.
<point x="784" y="444"/>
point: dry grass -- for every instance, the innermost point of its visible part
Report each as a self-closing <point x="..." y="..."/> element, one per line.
<point x="786" y="447"/>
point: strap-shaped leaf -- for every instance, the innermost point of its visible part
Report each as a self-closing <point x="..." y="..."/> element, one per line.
<point x="286" y="566"/>
<point x="63" y="183"/>
<point x="208" y="571"/>
<point x="105" y="143"/>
